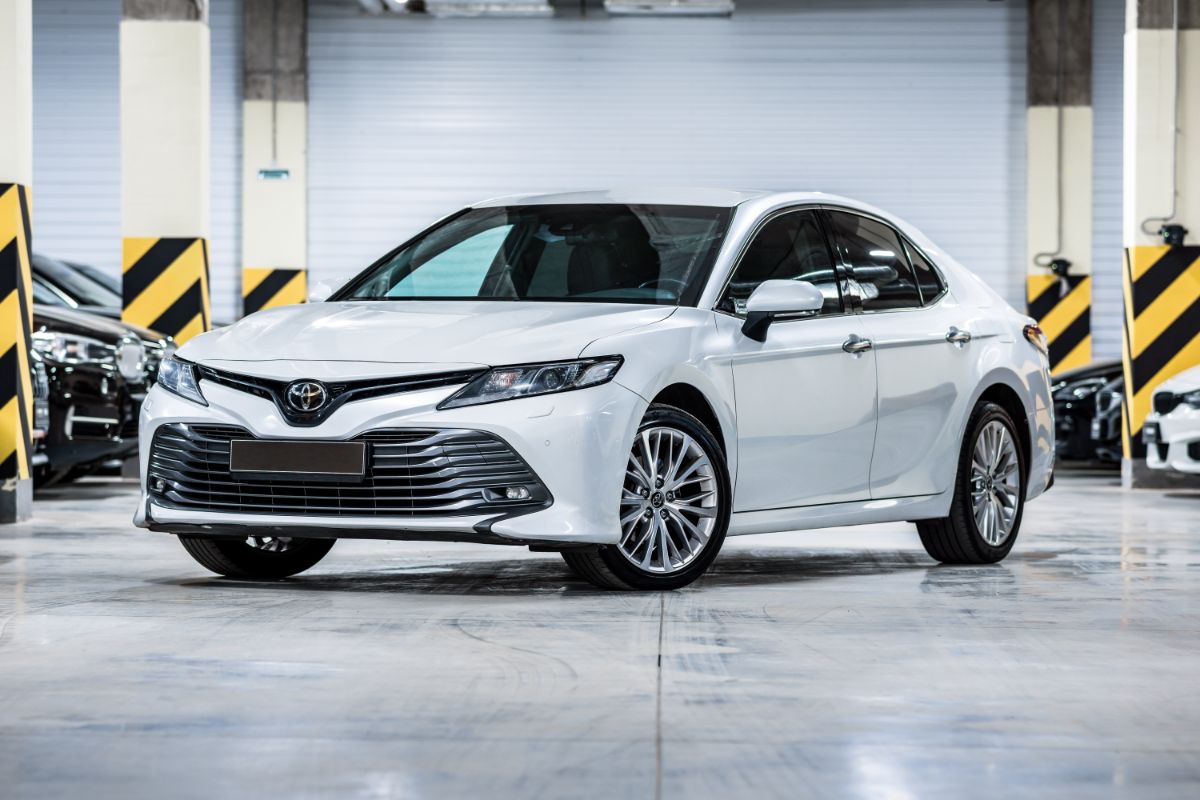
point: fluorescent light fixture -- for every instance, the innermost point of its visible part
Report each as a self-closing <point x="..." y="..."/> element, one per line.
<point x="489" y="8"/>
<point x="670" y="8"/>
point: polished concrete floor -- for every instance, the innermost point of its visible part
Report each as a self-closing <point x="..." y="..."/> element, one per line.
<point x="835" y="664"/>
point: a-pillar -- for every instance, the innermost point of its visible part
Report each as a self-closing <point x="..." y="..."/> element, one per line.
<point x="1161" y="214"/>
<point x="16" y="174"/>
<point x="165" y="91"/>
<point x="274" y="153"/>
<point x="1059" y="177"/>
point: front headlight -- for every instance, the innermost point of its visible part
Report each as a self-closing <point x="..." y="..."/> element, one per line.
<point x="1192" y="398"/>
<point x="179" y="376"/>
<point x="530" y="380"/>
<point x="66" y="348"/>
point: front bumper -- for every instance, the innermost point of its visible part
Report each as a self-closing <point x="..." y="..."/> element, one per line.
<point x="1178" y="441"/>
<point x="577" y="443"/>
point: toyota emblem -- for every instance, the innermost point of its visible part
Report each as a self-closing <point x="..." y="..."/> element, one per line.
<point x="307" y="396"/>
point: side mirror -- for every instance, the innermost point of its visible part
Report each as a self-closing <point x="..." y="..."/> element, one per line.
<point x="773" y="298"/>
<point x="319" y="292"/>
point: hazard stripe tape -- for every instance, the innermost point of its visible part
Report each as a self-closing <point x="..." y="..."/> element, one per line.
<point x="1063" y="309"/>
<point x="165" y="285"/>
<point x="1162" y="328"/>
<point x="267" y="288"/>
<point x="16" y="325"/>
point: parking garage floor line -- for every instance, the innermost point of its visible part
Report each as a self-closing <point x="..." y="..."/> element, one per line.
<point x="837" y="664"/>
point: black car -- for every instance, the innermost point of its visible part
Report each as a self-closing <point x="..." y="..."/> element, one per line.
<point x="97" y="374"/>
<point x="1075" y="405"/>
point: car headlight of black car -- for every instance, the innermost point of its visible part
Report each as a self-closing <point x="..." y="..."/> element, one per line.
<point x="180" y="377"/>
<point x="70" y="348"/>
<point x="1077" y="390"/>
<point x="530" y="380"/>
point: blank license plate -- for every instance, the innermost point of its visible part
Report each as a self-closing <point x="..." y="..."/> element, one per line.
<point x="299" y="460"/>
<point x="1150" y="433"/>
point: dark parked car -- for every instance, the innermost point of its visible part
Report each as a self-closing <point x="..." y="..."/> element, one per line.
<point x="98" y="373"/>
<point x="1075" y="404"/>
<point x="1106" y="425"/>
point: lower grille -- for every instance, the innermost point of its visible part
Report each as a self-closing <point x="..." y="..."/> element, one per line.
<point x="1193" y="451"/>
<point x="410" y="472"/>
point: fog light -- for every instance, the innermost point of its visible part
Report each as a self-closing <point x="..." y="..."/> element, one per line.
<point x="516" y="493"/>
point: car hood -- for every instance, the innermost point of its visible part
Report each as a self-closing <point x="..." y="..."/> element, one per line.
<point x="1184" y="382"/>
<point x="451" y="334"/>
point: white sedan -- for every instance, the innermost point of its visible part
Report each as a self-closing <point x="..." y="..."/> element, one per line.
<point x="625" y="378"/>
<point x="1172" y="429"/>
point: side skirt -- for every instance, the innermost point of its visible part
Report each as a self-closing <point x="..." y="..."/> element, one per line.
<point x="829" y="515"/>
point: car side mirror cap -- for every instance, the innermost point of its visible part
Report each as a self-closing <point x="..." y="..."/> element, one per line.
<point x="319" y="292"/>
<point x="773" y="298"/>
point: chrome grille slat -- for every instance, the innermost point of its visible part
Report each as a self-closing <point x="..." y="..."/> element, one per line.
<point x="411" y="472"/>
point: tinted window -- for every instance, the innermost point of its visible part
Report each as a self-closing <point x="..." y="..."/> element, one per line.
<point x="790" y="247"/>
<point x="587" y="252"/>
<point x="927" y="277"/>
<point x="874" y="252"/>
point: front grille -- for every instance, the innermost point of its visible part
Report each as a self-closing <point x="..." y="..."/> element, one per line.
<point x="1165" y="402"/>
<point x="410" y="472"/>
<point x="340" y="392"/>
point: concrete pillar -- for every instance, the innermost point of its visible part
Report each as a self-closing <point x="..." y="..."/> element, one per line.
<point x="165" y="94"/>
<point x="1059" y="177"/>
<point x="1161" y="190"/>
<point x="16" y="174"/>
<point x="274" y="153"/>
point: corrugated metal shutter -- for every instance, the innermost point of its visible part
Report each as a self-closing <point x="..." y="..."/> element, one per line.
<point x="1108" y="75"/>
<point x="918" y="107"/>
<point x="77" y="143"/>
<point x="77" y="131"/>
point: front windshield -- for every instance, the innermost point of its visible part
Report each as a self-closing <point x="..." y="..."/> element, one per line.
<point x="609" y="253"/>
<point x="79" y="287"/>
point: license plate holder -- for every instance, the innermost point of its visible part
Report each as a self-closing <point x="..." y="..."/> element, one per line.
<point x="282" y="460"/>
<point x="1151" y="434"/>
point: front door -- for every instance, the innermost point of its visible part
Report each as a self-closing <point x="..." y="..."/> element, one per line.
<point x="805" y="404"/>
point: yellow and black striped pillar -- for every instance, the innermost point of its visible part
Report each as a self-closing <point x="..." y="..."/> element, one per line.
<point x="263" y="287"/>
<point x="165" y="285"/>
<point x="1063" y="309"/>
<point x="1162" y="327"/>
<point x="16" y="298"/>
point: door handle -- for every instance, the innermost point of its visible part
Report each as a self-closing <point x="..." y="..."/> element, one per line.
<point x="955" y="336"/>
<point x="856" y="344"/>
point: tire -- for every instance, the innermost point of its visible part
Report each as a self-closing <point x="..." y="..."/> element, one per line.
<point x="237" y="558"/>
<point x="693" y="545"/>
<point x="960" y="538"/>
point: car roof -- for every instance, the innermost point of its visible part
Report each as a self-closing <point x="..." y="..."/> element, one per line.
<point x="669" y="196"/>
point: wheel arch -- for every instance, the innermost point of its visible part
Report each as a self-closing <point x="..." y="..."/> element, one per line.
<point x="1005" y="390"/>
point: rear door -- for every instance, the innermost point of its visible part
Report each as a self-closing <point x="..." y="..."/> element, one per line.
<point x="923" y="355"/>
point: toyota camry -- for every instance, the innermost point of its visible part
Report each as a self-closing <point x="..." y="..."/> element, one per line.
<point x="625" y="378"/>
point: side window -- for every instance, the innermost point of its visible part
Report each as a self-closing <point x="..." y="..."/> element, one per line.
<point x="789" y="247"/>
<point x="874" y="252"/>
<point x="927" y="277"/>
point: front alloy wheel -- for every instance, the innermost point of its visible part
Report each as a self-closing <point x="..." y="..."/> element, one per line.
<point x="674" y="508"/>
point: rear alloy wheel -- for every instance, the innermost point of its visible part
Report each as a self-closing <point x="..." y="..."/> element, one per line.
<point x="674" y="508"/>
<point x="989" y="494"/>
<point x="256" y="557"/>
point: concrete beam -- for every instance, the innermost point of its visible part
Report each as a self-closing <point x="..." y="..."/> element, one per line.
<point x="1160" y="14"/>
<point x="165" y="10"/>
<point x="1056" y="25"/>
<point x="275" y="49"/>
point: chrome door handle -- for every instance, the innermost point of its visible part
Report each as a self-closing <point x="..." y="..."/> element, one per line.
<point x="955" y="336"/>
<point x="856" y="344"/>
